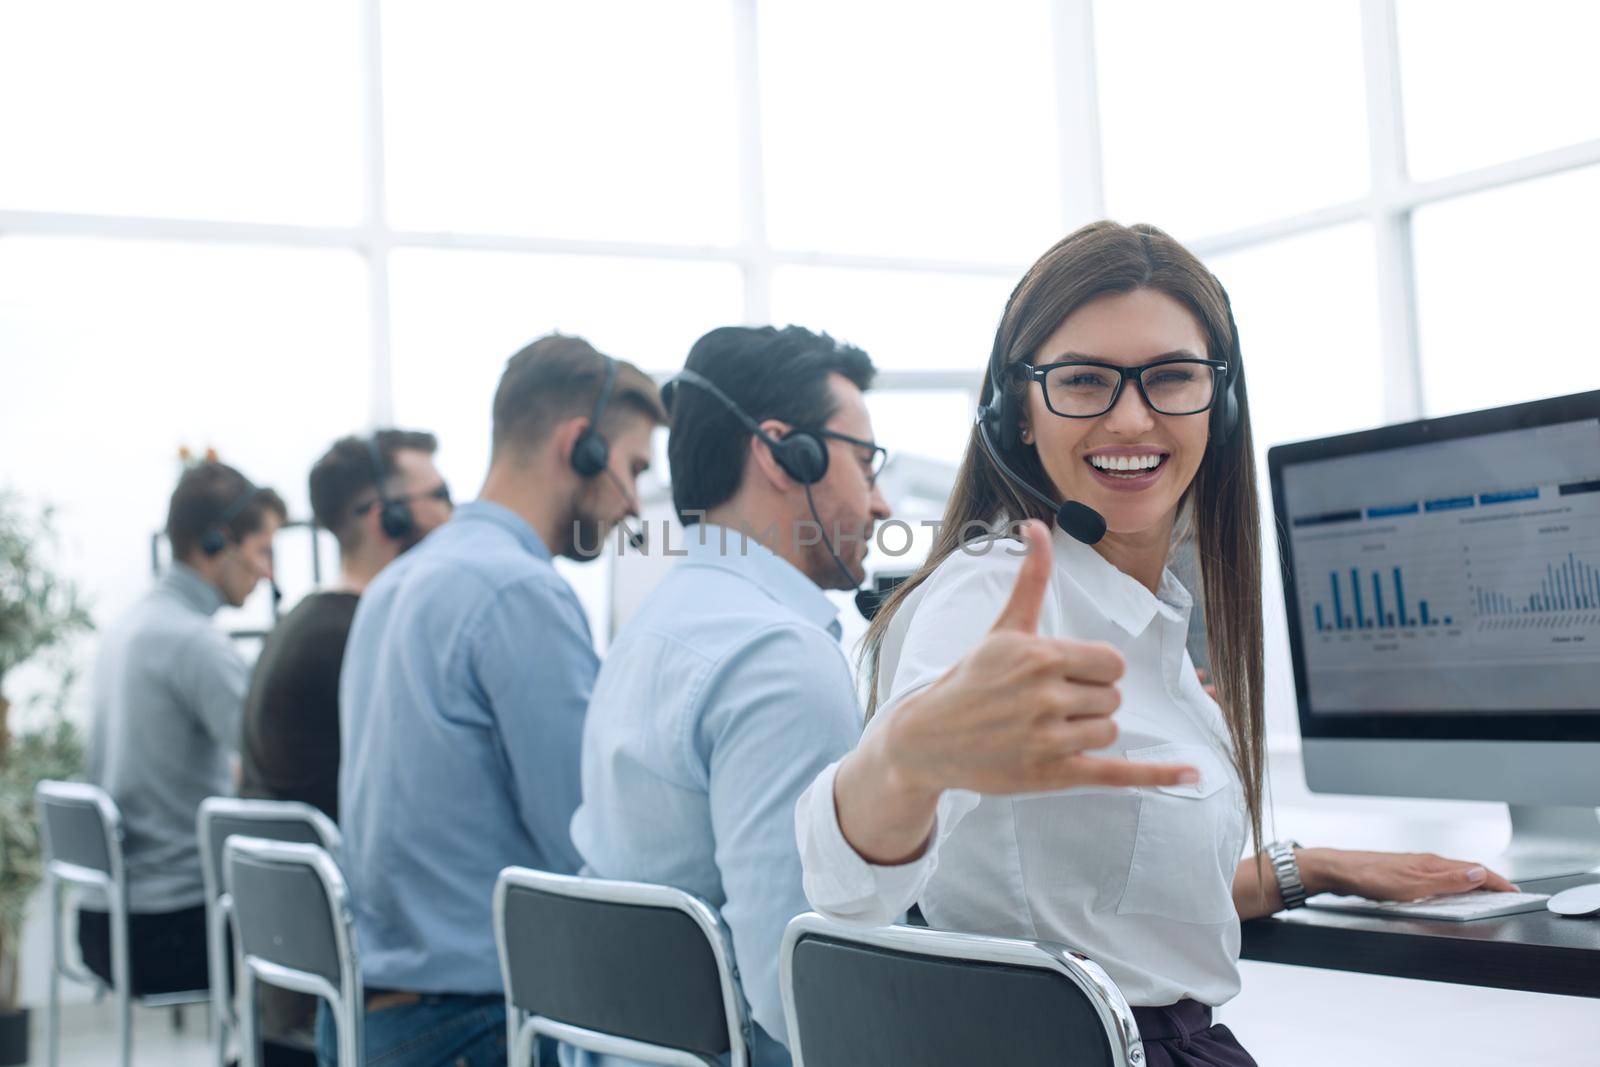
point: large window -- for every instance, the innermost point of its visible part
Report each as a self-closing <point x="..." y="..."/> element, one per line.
<point x="120" y="353"/>
<point x="183" y="109"/>
<point x="1219" y="116"/>
<point x="910" y="129"/>
<point x="614" y="121"/>
<point x="257" y="226"/>
<point x="1506" y="284"/>
<point x="1393" y="192"/>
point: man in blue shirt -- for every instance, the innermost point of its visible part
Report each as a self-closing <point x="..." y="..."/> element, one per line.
<point x="462" y="697"/>
<point x="728" y="692"/>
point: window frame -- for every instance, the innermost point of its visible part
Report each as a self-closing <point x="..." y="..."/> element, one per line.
<point x="1388" y="206"/>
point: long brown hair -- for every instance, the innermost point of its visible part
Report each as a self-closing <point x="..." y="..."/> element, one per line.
<point x="1221" y="503"/>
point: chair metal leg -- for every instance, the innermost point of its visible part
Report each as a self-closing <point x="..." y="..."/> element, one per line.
<point x="216" y="942"/>
<point x="121" y="980"/>
<point x="249" y="1039"/>
<point x="513" y="1021"/>
<point x="53" y="1013"/>
<point x="349" y="1019"/>
<point x="523" y="1047"/>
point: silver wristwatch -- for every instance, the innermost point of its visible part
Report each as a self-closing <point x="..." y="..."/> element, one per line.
<point x="1281" y="853"/>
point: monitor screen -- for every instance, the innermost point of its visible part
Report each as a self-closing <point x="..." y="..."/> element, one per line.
<point x="1446" y="568"/>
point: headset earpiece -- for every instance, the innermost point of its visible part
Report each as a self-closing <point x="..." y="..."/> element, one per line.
<point x="802" y="455"/>
<point x="394" y="516"/>
<point x="591" y="452"/>
<point x="989" y="420"/>
<point x="1227" y="416"/>
<point x="217" y="537"/>
<point x="213" y="542"/>
<point x="999" y="418"/>
<point x="1225" y="412"/>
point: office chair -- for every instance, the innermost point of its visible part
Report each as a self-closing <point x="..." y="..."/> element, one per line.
<point x="897" y="994"/>
<point x="625" y="968"/>
<point x="219" y="819"/>
<point x="291" y="914"/>
<point x="81" y="831"/>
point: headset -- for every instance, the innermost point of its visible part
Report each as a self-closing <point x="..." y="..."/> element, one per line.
<point x="591" y="452"/>
<point x="217" y="537"/>
<point x="999" y="425"/>
<point x="394" y="516"/>
<point x="800" y="454"/>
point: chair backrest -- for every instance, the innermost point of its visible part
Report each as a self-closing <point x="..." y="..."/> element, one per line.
<point x="896" y="995"/>
<point x="275" y="820"/>
<point x="81" y="830"/>
<point x="291" y="911"/>
<point x="593" y="961"/>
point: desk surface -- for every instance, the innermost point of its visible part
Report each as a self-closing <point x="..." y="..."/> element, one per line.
<point x="1538" y="952"/>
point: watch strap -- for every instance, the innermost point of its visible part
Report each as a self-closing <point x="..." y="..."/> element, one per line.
<point x="1293" y="890"/>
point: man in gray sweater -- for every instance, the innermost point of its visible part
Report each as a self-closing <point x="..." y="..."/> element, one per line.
<point x="167" y="700"/>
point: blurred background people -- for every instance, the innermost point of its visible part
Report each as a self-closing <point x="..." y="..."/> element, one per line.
<point x="167" y="701"/>
<point x="379" y="495"/>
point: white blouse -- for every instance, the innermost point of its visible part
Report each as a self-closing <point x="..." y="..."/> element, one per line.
<point x="1138" y="879"/>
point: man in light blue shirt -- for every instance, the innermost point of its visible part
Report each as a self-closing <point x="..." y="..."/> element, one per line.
<point x="462" y="696"/>
<point x="727" y="692"/>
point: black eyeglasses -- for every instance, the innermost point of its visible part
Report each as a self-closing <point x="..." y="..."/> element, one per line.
<point x="440" y="492"/>
<point x="874" y="463"/>
<point x="1084" y="389"/>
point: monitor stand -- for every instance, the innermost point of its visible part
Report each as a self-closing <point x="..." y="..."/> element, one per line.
<point x="1548" y="842"/>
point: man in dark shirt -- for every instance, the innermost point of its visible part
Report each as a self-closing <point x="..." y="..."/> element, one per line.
<point x="379" y="496"/>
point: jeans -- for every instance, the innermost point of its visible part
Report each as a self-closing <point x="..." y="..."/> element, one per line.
<point x="440" y="1030"/>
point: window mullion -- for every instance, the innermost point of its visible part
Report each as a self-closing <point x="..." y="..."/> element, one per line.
<point x="377" y="239"/>
<point x="1078" y="112"/>
<point x="1391" y="220"/>
<point x="755" y="255"/>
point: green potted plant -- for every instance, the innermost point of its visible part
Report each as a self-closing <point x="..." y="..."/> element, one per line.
<point x="39" y="612"/>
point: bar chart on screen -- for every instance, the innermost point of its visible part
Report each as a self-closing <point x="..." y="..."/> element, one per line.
<point x="1566" y="594"/>
<point x="1489" y="587"/>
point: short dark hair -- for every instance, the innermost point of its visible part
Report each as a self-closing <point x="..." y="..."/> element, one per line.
<point x="770" y="372"/>
<point x="345" y="475"/>
<point x="558" y="377"/>
<point x="213" y="495"/>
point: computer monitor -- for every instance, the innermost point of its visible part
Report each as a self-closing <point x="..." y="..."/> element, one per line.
<point x="1442" y="584"/>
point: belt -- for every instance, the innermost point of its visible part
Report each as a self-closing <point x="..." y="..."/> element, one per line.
<point x="378" y="999"/>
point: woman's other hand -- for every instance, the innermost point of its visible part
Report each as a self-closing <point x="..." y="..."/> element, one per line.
<point x="1395" y="875"/>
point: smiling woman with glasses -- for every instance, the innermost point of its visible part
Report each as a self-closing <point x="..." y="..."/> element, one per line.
<point x="1108" y="807"/>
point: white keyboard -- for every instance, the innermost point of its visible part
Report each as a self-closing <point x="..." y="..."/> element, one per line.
<point x="1456" y="908"/>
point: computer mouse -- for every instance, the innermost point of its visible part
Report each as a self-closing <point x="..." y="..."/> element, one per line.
<point x="1578" y="901"/>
